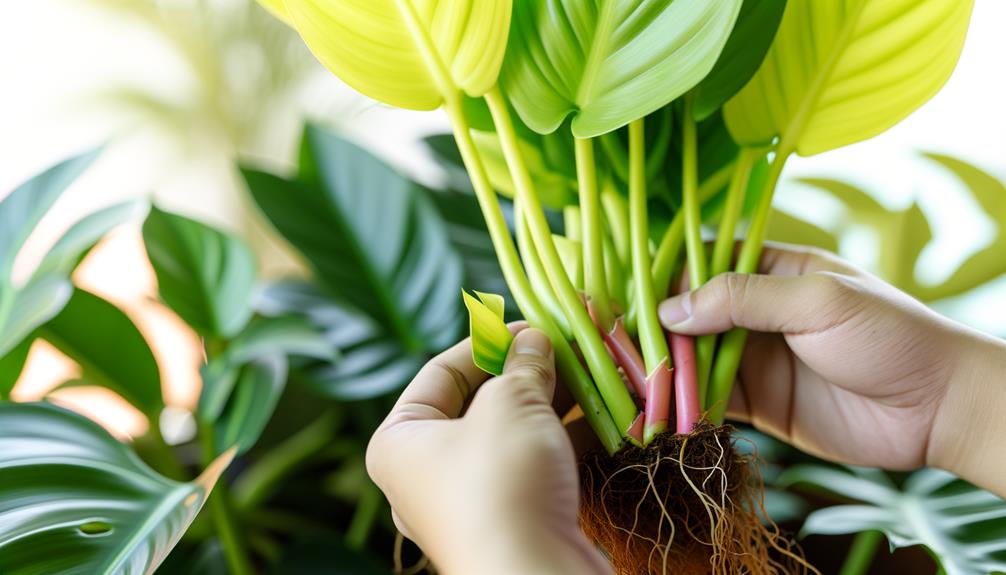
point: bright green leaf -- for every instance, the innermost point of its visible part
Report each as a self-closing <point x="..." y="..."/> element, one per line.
<point x="380" y="47"/>
<point x="24" y="309"/>
<point x="204" y="275"/>
<point x="608" y="63"/>
<point x="960" y="524"/>
<point x="77" y="501"/>
<point x="842" y="71"/>
<point x="741" y="56"/>
<point x="490" y="336"/>
<point x="85" y="234"/>
<point x="110" y="350"/>
<point x="783" y="227"/>
<point x="253" y="396"/>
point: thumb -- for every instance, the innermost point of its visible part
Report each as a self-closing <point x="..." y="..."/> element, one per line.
<point x="528" y="377"/>
<point x="785" y="304"/>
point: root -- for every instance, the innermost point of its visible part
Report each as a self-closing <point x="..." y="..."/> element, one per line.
<point x="685" y="504"/>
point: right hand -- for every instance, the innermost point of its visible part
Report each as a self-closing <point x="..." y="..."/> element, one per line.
<point x="846" y="367"/>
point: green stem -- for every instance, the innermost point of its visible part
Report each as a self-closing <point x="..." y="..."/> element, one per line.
<point x="261" y="480"/>
<point x="595" y="280"/>
<point x="573" y="374"/>
<point x="651" y="335"/>
<point x="860" y="555"/>
<point x="536" y="272"/>
<point x="571" y="222"/>
<point x="616" y="215"/>
<point x="728" y="359"/>
<point x="364" y="517"/>
<point x="606" y="377"/>
<point x="723" y="250"/>
<point x="223" y="514"/>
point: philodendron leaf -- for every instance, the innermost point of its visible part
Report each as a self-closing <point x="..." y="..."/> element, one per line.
<point x="73" y="245"/>
<point x="843" y="71"/>
<point x="407" y="53"/>
<point x="277" y="8"/>
<point x="204" y="275"/>
<point x="77" y="501"/>
<point x="373" y="237"/>
<point x="11" y="366"/>
<point x="254" y="392"/>
<point x="110" y="350"/>
<point x="22" y="209"/>
<point x="741" y="56"/>
<point x="607" y="62"/>
<point x="490" y="336"/>
<point x="371" y="362"/>
<point x="24" y="309"/>
<point x="961" y="525"/>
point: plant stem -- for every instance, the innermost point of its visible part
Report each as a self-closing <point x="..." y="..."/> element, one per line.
<point x="221" y="509"/>
<point x="857" y="561"/>
<point x="595" y="280"/>
<point x="723" y="250"/>
<point x="536" y="272"/>
<point x="651" y="335"/>
<point x="728" y="359"/>
<point x="573" y="374"/>
<point x="362" y="522"/>
<point x="606" y="377"/>
<point x="616" y="214"/>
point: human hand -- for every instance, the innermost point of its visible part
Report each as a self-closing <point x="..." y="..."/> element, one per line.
<point x="845" y="366"/>
<point x="494" y="490"/>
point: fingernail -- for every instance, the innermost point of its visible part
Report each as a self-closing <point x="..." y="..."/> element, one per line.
<point x="675" y="310"/>
<point x="532" y="342"/>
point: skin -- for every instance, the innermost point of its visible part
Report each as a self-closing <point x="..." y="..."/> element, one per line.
<point x="838" y="363"/>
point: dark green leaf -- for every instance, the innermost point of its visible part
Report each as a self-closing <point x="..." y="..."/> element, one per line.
<point x="204" y="275"/>
<point x="111" y="352"/>
<point x="77" y="501"/>
<point x="12" y="364"/>
<point x="743" y="54"/>
<point x="373" y="237"/>
<point x="253" y="396"/>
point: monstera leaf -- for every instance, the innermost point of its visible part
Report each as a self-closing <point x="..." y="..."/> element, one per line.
<point x="843" y="71"/>
<point x="373" y="237"/>
<point x="203" y="274"/>
<point x="607" y="62"/>
<point x="77" y="501"/>
<point x="743" y="53"/>
<point x="406" y="53"/>
<point x="961" y="525"/>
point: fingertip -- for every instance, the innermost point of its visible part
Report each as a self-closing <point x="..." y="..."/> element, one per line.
<point x="531" y="342"/>
<point x="675" y="311"/>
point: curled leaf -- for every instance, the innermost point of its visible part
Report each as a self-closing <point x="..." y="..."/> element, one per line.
<point x="490" y="336"/>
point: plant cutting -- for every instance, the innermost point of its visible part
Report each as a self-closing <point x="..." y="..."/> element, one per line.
<point x="673" y="115"/>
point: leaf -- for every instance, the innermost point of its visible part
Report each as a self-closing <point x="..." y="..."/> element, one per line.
<point x="278" y="9"/>
<point x="288" y="336"/>
<point x="85" y="234"/>
<point x="373" y="237"/>
<point x="23" y="208"/>
<point x="77" y="501"/>
<point x="24" y="309"/>
<point x="110" y="350"/>
<point x="203" y="275"/>
<point x="608" y="63"/>
<point x="783" y="227"/>
<point x="556" y="189"/>
<point x="741" y="56"/>
<point x="254" y="390"/>
<point x="490" y="336"/>
<point x="11" y="366"/>
<point x="381" y="45"/>
<point x="843" y="71"/>
<point x="963" y="526"/>
<point x="371" y="362"/>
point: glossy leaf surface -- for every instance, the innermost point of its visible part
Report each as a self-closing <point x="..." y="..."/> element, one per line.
<point x="490" y="336"/>
<point x="842" y="71"/>
<point x="608" y="62"/>
<point x="75" y="501"/>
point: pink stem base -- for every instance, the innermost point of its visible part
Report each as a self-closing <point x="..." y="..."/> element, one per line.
<point x="635" y="431"/>
<point x="622" y="349"/>
<point x="658" y="401"/>
<point x="686" y="388"/>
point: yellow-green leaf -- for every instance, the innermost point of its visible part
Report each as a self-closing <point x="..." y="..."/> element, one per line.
<point x="407" y="53"/>
<point x="277" y="8"/>
<point x="490" y="336"/>
<point x="842" y="71"/>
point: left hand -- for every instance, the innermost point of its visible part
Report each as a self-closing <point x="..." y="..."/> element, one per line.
<point x="494" y="490"/>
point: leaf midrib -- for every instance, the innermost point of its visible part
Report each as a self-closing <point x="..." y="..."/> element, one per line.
<point x="592" y="67"/>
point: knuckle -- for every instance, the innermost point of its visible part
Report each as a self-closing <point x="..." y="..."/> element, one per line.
<point x="535" y="372"/>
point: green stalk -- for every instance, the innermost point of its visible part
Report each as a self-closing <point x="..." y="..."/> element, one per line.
<point x="616" y="215"/>
<point x="609" y="382"/>
<point x="572" y="224"/>
<point x="364" y="517"/>
<point x="573" y="374"/>
<point x="651" y="334"/>
<point x="697" y="271"/>
<point x="222" y="511"/>
<point x="857" y="561"/>
<point x="723" y="250"/>
<point x="728" y="359"/>
<point x="592" y="233"/>
<point x="536" y="273"/>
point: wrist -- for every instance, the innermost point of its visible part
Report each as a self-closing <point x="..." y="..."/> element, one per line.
<point x="968" y="435"/>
